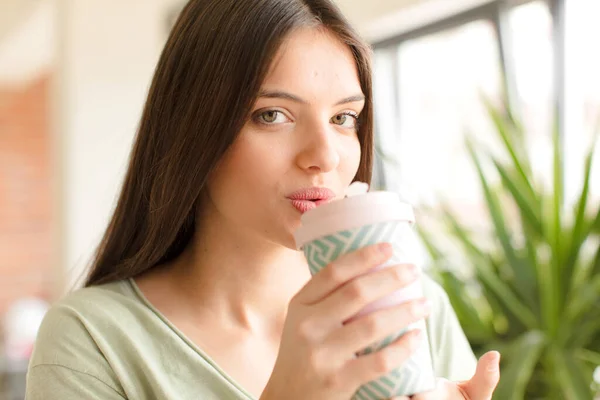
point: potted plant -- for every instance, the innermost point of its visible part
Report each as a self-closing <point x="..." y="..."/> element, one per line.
<point x="533" y="291"/>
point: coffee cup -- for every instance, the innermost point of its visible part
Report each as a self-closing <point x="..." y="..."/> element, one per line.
<point x="342" y="226"/>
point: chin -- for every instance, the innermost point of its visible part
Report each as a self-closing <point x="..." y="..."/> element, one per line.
<point x="286" y="236"/>
<point x="282" y="228"/>
<point x="286" y="239"/>
<point x="291" y="244"/>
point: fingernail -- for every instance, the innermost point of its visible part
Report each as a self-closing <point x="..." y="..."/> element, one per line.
<point x="412" y="268"/>
<point x="493" y="363"/>
<point x="416" y="337"/>
<point x="421" y="307"/>
<point x="385" y="248"/>
<point x="426" y="305"/>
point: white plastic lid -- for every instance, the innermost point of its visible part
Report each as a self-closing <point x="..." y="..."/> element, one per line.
<point x="352" y="212"/>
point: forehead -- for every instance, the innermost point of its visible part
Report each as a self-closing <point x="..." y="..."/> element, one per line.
<point x="314" y="60"/>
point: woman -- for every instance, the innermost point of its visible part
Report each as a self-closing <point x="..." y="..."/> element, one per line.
<point x="197" y="291"/>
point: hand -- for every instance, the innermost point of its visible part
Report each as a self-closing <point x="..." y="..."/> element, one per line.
<point x="480" y="387"/>
<point x="316" y="357"/>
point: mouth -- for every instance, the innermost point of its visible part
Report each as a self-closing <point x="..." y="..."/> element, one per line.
<point x="307" y="199"/>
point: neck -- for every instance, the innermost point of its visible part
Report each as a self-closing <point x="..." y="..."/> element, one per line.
<point x="239" y="277"/>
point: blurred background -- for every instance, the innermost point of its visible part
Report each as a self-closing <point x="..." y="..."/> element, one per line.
<point x="520" y="78"/>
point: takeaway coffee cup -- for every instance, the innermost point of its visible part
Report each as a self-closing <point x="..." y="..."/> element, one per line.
<point x="359" y="220"/>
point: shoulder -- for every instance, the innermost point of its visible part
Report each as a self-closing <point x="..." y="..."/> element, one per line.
<point x="440" y="322"/>
<point x="452" y="355"/>
<point x="91" y="301"/>
<point x="72" y="333"/>
<point x="442" y="313"/>
<point x="79" y="312"/>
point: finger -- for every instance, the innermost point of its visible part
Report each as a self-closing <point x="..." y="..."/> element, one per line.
<point x="401" y="398"/>
<point x="349" y="299"/>
<point x="375" y="365"/>
<point x="343" y="269"/>
<point x="485" y="380"/>
<point x="364" y="331"/>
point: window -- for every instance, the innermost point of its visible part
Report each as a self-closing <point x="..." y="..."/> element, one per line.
<point x="440" y="78"/>
<point x="582" y="91"/>
<point x="427" y="93"/>
<point x="531" y="48"/>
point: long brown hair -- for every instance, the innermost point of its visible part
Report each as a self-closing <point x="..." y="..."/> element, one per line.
<point x="205" y="84"/>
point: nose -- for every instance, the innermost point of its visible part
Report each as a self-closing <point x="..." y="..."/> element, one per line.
<point x="319" y="151"/>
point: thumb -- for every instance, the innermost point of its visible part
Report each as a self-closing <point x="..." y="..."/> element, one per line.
<point x="485" y="380"/>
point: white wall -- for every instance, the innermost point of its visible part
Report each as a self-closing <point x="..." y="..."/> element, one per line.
<point x="26" y="47"/>
<point x="382" y="19"/>
<point x="108" y="53"/>
<point x="363" y="12"/>
<point x="12" y="12"/>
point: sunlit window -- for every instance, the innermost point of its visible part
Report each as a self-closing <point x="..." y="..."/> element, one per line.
<point x="440" y="80"/>
<point x="582" y="90"/>
<point x="428" y="96"/>
<point x="531" y="53"/>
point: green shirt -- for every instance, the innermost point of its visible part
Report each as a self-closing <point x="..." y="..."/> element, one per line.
<point x="108" y="342"/>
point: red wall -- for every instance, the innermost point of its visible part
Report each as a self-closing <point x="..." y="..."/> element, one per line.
<point x="26" y="208"/>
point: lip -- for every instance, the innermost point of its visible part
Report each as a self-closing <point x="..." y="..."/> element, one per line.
<point x="309" y="198"/>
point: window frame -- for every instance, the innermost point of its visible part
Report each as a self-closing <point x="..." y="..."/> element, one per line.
<point x="497" y="13"/>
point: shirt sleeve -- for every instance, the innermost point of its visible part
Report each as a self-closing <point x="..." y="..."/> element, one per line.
<point x="452" y="355"/>
<point x="57" y="382"/>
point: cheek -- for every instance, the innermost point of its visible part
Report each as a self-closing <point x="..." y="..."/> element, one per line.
<point x="245" y="168"/>
<point x="351" y="159"/>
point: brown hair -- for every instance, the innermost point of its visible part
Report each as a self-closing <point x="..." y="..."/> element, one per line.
<point x="205" y="84"/>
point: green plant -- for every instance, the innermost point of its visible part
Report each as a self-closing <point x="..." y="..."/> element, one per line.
<point x="534" y="289"/>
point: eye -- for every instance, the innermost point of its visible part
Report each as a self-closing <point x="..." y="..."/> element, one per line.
<point x="346" y="120"/>
<point x="271" y="117"/>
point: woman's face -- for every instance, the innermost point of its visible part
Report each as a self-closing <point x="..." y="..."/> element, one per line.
<point x="302" y="134"/>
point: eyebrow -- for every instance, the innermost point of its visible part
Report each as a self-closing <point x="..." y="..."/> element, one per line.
<point x="288" y="96"/>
